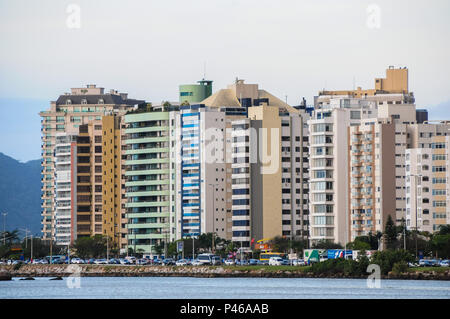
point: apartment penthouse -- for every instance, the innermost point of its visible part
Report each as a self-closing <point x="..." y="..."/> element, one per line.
<point x="71" y="110"/>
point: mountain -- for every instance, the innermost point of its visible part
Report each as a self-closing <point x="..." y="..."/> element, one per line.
<point x="20" y="194"/>
<point x="440" y="111"/>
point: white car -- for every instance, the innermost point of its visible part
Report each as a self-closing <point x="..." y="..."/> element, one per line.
<point x="229" y="262"/>
<point x="298" y="262"/>
<point x="101" y="262"/>
<point x="181" y="262"/>
<point x="77" y="261"/>
<point x="445" y="263"/>
<point x="275" y="261"/>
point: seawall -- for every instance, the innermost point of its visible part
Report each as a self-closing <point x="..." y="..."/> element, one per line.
<point x="194" y="271"/>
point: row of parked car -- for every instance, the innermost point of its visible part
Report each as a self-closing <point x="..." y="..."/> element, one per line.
<point x="431" y="263"/>
<point x="276" y="261"/>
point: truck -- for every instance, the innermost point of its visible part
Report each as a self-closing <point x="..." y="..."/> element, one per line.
<point x="314" y="255"/>
<point x="339" y="253"/>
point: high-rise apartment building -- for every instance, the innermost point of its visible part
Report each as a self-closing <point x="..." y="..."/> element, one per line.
<point x="65" y="188"/>
<point x="203" y="169"/>
<point x="70" y="111"/>
<point x="268" y="198"/>
<point x="150" y="180"/>
<point x="372" y="177"/>
<point x="427" y="176"/>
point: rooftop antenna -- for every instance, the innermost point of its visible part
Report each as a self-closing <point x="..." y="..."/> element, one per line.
<point x="204" y="70"/>
<point x="354" y="83"/>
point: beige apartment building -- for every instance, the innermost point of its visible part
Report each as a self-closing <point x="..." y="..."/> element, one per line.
<point x="372" y="177"/>
<point x="79" y="112"/>
<point x="356" y="136"/>
<point x="427" y="178"/>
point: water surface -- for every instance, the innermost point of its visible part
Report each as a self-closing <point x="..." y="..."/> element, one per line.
<point x="222" y="288"/>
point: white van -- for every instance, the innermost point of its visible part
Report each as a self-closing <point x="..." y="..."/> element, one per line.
<point x="205" y="259"/>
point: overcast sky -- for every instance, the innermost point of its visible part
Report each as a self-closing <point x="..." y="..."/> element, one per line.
<point x="147" y="48"/>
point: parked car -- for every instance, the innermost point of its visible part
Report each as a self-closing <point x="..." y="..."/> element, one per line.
<point x="229" y="262"/>
<point x="275" y="261"/>
<point x="142" y="261"/>
<point x="181" y="262"/>
<point x="298" y="262"/>
<point x="59" y="261"/>
<point x="285" y="262"/>
<point x="101" y="262"/>
<point x="168" y="262"/>
<point x="77" y="261"/>
<point x="131" y="259"/>
<point x="216" y="260"/>
<point x="196" y="262"/>
<point x="206" y="259"/>
<point x="253" y="262"/>
<point x="124" y="261"/>
<point x="445" y="263"/>
<point x="242" y="262"/>
<point x="428" y="263"/>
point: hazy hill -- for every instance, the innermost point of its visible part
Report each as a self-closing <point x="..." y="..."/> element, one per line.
<point x="20" y="194"/>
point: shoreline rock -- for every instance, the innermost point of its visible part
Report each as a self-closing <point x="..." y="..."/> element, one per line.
<point x="60" y="271"/>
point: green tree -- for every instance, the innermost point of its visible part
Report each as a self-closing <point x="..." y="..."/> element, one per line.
<point x="444" y="229"/>
<point x="359" y="244"/>
<point x="326" y="244"/>
<point x="390" y="233"/>
<point x="441" y="245"/>
<point x="90" y="247"/>
<point x="387" y="258"/>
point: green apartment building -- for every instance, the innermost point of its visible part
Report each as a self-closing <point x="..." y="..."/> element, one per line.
<point x="148" y="180"/>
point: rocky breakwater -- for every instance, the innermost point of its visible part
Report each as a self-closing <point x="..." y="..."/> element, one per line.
<point x="144" y="271"/>
<point x="7" y="272"/>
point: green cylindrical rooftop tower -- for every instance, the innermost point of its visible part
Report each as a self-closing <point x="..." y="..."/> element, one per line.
<point x="195" y="93"/>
